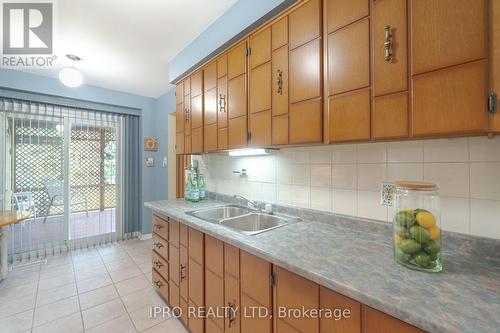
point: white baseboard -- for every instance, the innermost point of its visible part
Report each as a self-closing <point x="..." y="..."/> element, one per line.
<point x="145" y="236"/>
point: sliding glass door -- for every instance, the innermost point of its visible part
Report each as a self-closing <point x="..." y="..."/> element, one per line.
<point x="62" y="167"/>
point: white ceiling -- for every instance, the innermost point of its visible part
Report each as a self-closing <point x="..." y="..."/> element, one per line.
<point x="125" y="45"/>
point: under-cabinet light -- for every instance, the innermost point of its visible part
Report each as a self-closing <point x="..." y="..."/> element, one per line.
<point x="248" y="152"/>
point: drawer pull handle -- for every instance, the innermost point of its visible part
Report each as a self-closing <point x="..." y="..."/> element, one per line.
<point x="158" y="264"/>
<point x="158" y="284"/>
<point x="186" y="117"/>
<point x="388" y="44"/>
<point x="159" y="226"/>
<point x="183" y="272"/>
<point x="279" y="81"/>
<point x="158" y="245"/>
<point x="222" y="103"/>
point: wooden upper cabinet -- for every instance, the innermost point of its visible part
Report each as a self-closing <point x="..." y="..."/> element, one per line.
<point x="305" y="72"/>
<point x="187" y="86"/>
<point x="237" y="133"/>
<point x="187" y="114"/>
<point x="332" y="300"/>
<point x="390" y="75"/>
<point x="197" y="83"/>
<point x="210" y="76"/>
<point x="390" y="116"/>
<point x="450" y="101"/>
<point x="222" y="102"/>
<point x="222" y="66"/>
<point x="260" y="129"/>
<point x="179" y="143"/>
<point x="179" y="93"/>
<point x="237" y="97"/>
<point x="179" y="117"/>
<point x="210" y="138"/>
<point x="495" y="60"/>
<point x="197" y="140"/>
<point x="196" y="111"/>
<point x="378" y="322"/>
<point x="210" y="106"/>
<point x="279" y="81"/>
<point x="350" y="116"/>
<point x="349" y="58"/>
<point x="279" y="33"/>
<point x="260" y="88"/>
<point x="305" y="23"/>
<point x="305" y="122"/>
<point x="340" y="13"/>
<point x="260" y="47"/>
<point x="295" y="292"/>
<point x="237" y="60"/>
<point x="446" y="33"/>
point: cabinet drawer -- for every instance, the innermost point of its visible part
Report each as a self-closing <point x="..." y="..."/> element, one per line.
<point x="196" y="245"/>
<point x="196" y="279"/>
<point x="174" y="266"/>
<point x="160" y="265"/>
<point x="160" y="246"/>
<point x="256" y="278"/>
<point x="214" y="255"/>
<point x="232" y="260"/>
<point x="332" y="300"/>
<point x="160" y="284"/>
<point x="183" y="234"/>
<point x="174" y="233"/>
<point x="214" y="295"/>
<point x="160" y="226"/>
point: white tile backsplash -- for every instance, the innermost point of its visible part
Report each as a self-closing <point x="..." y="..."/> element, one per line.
<point x="345" y="178"/>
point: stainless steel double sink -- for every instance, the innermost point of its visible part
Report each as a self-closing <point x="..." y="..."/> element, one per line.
<point x="245" y="220"/>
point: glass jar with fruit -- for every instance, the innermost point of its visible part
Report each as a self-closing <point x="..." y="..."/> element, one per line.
<point x="417" y="228"/>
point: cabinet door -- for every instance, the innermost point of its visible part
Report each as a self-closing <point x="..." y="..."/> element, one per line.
<point x="179" y="143"/>
<point x="197" y="140"/>
<point x="279" y="33"/>
<point x="251" y="320"/>
<point x="294" y="292"/>
<point x="305" y="122"/>
<point x="196" y="324"/>
<point x="196" y="245"/>
<point x="197" y="83"/>
<point x="305" y="72"/>
<point x="237" y="60"/>
<point x="280" y="130"/>
<point x="222" y="138"/>
<point x="196" y="282"/>
<point x="237" y="133"/>
<point x="187" y="144"/>
<point x="196" y="111"/>
<point x="174" y="233"/>
<point x="237" y="97"/>
<point x="260" y="88"/>
<point x="377" y="322"/>
<point x="450" y="101"/>
<point x="214" y="255"/>
<point x="390" y="116"/>
<point x="255" y="278"/>
<point x="210" y="107"/>
<point x="260" y="129"/>
<point x="332" y="300"/>
<point x="214" y="295"/>
<point x="305" y="23"/>
<point x="349" y="58"/>
<point x="446" y="33"/>
<point x="222" y="102"/>
<point x="187" y="86"/>
<point x="173" y="265"/>
<point x="210" y="138"/>
<point x="495" y="60"/>
<point x="210" y="76"/>
<point x="280" y="81"/>
<point x="179" y="117"/>
<point x="390" y="76"/>
<point x="260" y="46"/>
<point x="340" y="13"/>
<point x="179" y="92"/>
<point x="232" y="300"/>
<point x="222" y="66"/>
<point x="187" y="114"/>
<point x="350" y="116"/>
<point x="183" y="273"/>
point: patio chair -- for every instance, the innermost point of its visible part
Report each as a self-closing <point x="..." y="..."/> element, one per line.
<point x="23" y="201"/>
<point x="55" y="192"/>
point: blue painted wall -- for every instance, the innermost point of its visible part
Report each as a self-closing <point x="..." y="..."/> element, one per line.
<point x="236" y="19"/>
<point x="154" y="180"/>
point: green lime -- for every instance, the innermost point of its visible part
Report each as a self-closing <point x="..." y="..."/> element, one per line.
<point x="401" y="231"/>
<point x="409" y="246"/>
<point x="420" y="234"/>
<point x="401" y="256"/>
<point x="434" y="256"/>
<point x="422" y="259"/>
<point x="432" y="247"/>
<point x="405" y="218"/>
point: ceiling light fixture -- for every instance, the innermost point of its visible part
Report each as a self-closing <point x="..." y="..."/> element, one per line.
<point x="249" y="152"/>
<point x="71" y="76"/>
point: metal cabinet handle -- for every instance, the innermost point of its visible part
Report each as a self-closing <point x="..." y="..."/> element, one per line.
<point x="222" y="103"/>
<point x="186" y="112"/>
<point x="158" y="284"/>
<point x="158" y="226"/>
<point x="158" y="245"/>
<point x="183" y="272"/>
<point x="388" y="44"/>
<point x="231" y="318"/>
<point x="158" y="264"/>
<point x="279" y="81"/>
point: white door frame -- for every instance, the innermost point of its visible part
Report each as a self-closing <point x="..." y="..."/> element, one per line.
<point x="172" y="157"/>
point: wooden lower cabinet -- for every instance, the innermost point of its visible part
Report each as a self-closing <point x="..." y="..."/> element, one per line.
<point x="204" y="273"/>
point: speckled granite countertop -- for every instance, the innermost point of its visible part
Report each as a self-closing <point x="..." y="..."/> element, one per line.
<point x="465" y="297"/>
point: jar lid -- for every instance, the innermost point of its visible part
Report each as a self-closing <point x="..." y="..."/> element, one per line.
<point x="415" y="185"/>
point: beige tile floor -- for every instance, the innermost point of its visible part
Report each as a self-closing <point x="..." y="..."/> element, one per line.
<point x="101" y="290"/>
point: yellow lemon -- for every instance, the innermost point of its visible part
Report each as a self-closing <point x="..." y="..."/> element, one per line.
<point x="426" y="220"/>
<point x="397" y="239"/>
<point x="434" y="232"/>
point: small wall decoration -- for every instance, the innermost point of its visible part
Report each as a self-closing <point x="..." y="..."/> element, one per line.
<point x="150" y="162"/>
<point x="150" y="144"/>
